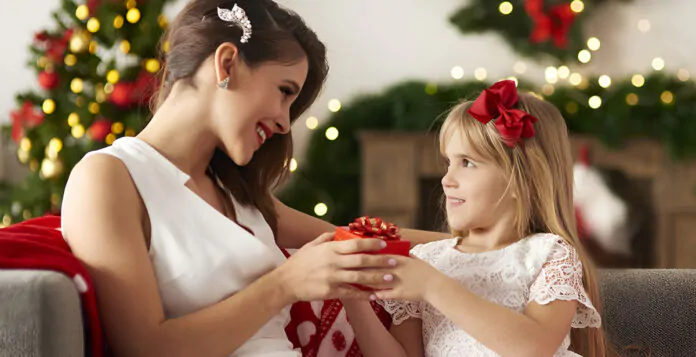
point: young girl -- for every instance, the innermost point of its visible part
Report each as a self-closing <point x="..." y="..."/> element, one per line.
<point x="515" y="280"/>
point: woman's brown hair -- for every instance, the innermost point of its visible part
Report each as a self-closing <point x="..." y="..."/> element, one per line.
<point x="279" y="35"/>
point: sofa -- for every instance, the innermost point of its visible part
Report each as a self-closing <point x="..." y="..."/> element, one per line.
<point x="646" y="313"/>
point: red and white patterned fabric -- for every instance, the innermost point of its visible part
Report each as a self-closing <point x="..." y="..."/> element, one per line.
<point x="321" y="328"/>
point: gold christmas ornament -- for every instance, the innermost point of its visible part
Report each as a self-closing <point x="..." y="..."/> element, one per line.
<point x="125" y="46"/>
<point x="94" y="108"/>
<point x="79" y="41"/>
<point x="82" y="12"/>
<point x="25" y="144"/>
<point x="112" y="76"/>
<point x="133" y="15"/>
<point x="70" y="60"/>
<point x="110" y="138"/>
<point x="54" y="147"/>
<point x="23" y="156"/>
<point x="51" y="169"/>
<point x="152" y="65"/>
<point x="78" y="131"/>
<point x="117" y="128"/>
<point x="76" y="85"/>
<point x="99" y="94"/>
<point x="162" y="21"/>
<point x="93" y="25"/>
<point x="118" y="21"/>
<point x="48" y="106"/>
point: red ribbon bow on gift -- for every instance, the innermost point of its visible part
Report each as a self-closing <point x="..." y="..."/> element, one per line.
<point x="556" y="23"/>
<point x="498" y="102"/>
<point x="367" y="227"/>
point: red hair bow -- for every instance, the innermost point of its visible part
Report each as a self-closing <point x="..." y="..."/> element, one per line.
<point x="498" y="103"/>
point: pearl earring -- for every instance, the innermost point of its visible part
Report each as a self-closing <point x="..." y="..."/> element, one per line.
<point x="223" y="83"/>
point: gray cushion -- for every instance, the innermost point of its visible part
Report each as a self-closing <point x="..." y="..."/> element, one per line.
<point x="40" y="315"/>
<point x="651" y="310"/>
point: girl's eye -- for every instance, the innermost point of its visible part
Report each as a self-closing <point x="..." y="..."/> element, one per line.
<point x="467" y="163"/>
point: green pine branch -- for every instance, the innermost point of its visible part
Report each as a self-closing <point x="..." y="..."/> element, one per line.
<point x="481" y="16"/>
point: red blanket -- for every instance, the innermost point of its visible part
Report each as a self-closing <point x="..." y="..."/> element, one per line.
<point x="38" y="244"/>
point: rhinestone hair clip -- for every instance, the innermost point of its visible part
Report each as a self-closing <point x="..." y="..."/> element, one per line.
<point x="237" y="16"/>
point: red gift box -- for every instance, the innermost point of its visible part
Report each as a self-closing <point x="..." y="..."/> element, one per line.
<point x="366" y="227"/>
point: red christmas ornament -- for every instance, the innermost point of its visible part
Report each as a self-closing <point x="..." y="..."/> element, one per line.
<point x="99" y="129"/>
<point x="126" y="94"/>
<point x="25" y="117"/>
<point x="48" y="80"/>
<point x="121" y="95"/>
<point x="145" y="86"/>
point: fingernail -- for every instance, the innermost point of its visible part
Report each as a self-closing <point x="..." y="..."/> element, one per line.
<point x="373" y="297"/>
<point x="388" y="277"/>
<point x="383" y="244"/>
<point x="391" y="261"/>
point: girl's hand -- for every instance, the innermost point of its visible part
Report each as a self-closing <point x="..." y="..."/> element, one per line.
<point x="412" y="280"/>
<point x="323" y="269"/>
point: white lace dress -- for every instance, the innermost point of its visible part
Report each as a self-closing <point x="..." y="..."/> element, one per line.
<point x="541" y="268"/>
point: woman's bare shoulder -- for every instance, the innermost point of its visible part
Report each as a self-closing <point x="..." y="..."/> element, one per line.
<point x="100" y="193"/>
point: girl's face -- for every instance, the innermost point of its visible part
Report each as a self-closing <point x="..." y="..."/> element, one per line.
<point x="476" y="189"/>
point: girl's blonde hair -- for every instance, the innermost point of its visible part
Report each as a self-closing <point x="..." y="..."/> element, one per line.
<point x="540" y="173"/>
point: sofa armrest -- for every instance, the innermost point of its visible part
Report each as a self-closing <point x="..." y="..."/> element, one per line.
<point x="651" y="309"/>
<point x="40" y="315"/>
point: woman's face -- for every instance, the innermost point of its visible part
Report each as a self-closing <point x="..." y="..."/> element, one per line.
<point x="255" y="106"/>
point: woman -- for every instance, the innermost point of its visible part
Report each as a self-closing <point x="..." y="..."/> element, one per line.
<point x="178" y="226"/>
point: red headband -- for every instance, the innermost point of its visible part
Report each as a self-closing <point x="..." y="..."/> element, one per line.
<point x="498" y="103"/>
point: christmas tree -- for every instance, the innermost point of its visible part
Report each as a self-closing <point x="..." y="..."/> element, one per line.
<point x="96" y="69"/>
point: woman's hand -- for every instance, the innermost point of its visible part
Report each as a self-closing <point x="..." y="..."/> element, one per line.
<point x="412" y="279"/>
<point x="323" y="269"/>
